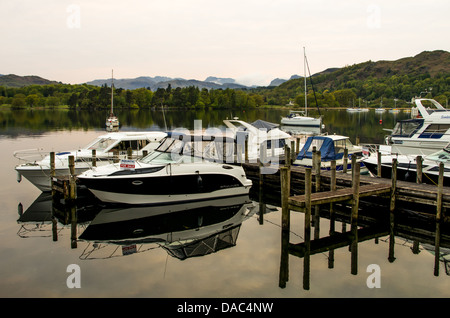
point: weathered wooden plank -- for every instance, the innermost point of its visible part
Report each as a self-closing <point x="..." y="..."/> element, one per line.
<point x="338" y="195"/>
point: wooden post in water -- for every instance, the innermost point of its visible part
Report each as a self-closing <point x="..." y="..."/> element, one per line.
<point x="94" y="158"/>
<point x="378" y="164"/>
<point x="293" y="151"/>
<point x="72" y="181"/>
<point x="129" y="153"/>
<point x="116" y="156"/>
<point x="287" y="155"/>
<point x="285" y="173"/>
<point x="391" y="257"/>
<point x="354" y="217"/>
<point x="285" y="177"/>
<point x="52" y="170"/>
<point x="419" y="169"/>
<point x="332" y="214"/>
<point x="317" y="168"/>
<point x="345" y="161"/>
<point x="246" y="149"/>
<point x="306" y="259"/>
<point x="297" y="145"/>
<point x="437" y="239"/>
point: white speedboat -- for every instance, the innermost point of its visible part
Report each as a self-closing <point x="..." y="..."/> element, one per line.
<point x="258" y="134"/>
<point x="427" y="133"/>
<point x="183" y="168"/>
<point x="331" y="148"/>
<point x="35" y="166"/>
<point x="407" y="165"/>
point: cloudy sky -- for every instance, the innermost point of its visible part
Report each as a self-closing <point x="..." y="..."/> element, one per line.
<point x="253" y="41"/>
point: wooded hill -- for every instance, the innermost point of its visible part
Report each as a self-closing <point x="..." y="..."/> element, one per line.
<point x="426" y="74"/>
<point x="367" y="84"/>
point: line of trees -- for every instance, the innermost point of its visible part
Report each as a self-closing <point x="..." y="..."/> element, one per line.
<point x="93" y="97"/>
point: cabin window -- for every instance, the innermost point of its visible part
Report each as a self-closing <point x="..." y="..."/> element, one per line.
<point x="406" y="128"/>
<point x="435" y="131"/>
<point x="102" y="144"/>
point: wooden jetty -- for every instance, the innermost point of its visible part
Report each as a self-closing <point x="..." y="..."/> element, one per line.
<point x="295" y="185"/>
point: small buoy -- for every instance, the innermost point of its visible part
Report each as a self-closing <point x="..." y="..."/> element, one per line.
<point x="381" y="121"/>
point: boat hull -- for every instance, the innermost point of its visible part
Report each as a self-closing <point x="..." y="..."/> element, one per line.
<point x="162" y="187"/>
<point x="302" y="122"/>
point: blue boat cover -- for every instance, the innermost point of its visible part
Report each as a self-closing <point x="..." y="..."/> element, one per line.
<point x="327" y="151"/>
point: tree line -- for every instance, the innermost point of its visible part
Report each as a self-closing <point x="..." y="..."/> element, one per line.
<point x="342" y="90"/>
<point x="99" y="97"/>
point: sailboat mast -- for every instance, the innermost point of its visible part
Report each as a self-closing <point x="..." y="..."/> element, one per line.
<point x="112" y="91"/>
<point x="306" y="95"/>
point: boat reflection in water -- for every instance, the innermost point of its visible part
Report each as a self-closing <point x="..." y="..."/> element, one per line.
<point x="417" y="230"/>
<point x="183" y="230"/>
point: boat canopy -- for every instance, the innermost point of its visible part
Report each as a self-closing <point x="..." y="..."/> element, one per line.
<point x="323" y="143"/>
<point x="264" y="124"/>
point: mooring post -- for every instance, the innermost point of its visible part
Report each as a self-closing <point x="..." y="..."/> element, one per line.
<point x="94" y="158"/>
<point x="419" y="169"/>
<point x="306" y="259"/>
<point x="72" y="182"/>
<point x="287" y="155"/>
<point x="285" y="192"/>
<point x="345" y="161"/>
<point x="332" y="184"/>
<point x="52" y="171"/>
<point x="129" y="153"/>
<point x="115" y="156"/>
<point x="262" y="206"/>
<point x="246" y="149"/>
<point x="354" y="217"/>
<point x="317" y="169"/>
<point x="437" y="239"/>
<point x="394" y="184"/>
<point x="378" y="164"/>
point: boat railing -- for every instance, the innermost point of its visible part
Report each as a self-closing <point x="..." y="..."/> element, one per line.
<point x="30" y="155"/>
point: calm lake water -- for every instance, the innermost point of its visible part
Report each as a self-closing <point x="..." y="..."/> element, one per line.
<point x="37" y="254"/>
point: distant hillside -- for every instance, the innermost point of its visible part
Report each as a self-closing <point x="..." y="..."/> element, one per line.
<point x="12" y="80"/>
<point x="403" y="79"/>
<point x="163" y="82"/>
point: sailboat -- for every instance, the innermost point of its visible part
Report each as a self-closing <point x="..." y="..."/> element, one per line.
<point x="112" y="122"/>
<point x="300" y="118"/>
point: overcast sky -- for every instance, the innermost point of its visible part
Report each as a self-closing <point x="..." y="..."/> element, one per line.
<point x="253" y="41"/>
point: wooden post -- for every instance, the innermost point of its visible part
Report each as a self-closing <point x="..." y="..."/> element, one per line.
<point x="129" y="153"/>
<point x="73" y="226"/>
<point x="297" y="145"/>
<point x="262" y="206"/>
<point x="355" y="184"/>
<point x="285" y="192"/>
<point x="287" y="155"/>
<point x="437" y="239"/>
<point x="378" y="164"/>
<point x="394" y="184"/>
<point x="52" y="170"/>
<point x="306" y="259"/>
<point x="116" y="156"/>
<point x="345" y="161"/>
<point x="293" y="152"/>
<point x="72" y="182"/>
<point x="317" y="167"/>
<point x="332" y="183"/>
<point x="94" y="158"/>
<point x="419" y="169"/>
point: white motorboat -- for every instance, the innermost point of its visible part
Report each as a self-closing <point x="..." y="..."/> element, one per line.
<point x="331" y="148"/>
<point x="259" y="134"/>
<point x="407" y="165"/>
<point x="427" y="133"/>
<point x="35" y="166"/>
<point x="183" y="168"/>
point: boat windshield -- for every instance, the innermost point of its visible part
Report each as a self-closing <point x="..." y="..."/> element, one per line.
<point x="441" y="156"/>
<point x="167" y="152"/>
<point x="407" y="128"/>
<point x="102" y="144"/>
